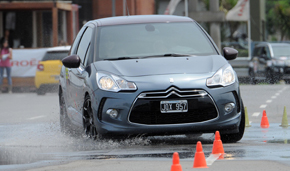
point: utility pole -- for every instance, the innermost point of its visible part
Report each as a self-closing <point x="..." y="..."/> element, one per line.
<point x="113" y="8"/>
<point x="215" y="31"/>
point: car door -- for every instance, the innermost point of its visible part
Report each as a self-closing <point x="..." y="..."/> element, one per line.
<point x="68" y="93"/>
<point x="77" y="76"/>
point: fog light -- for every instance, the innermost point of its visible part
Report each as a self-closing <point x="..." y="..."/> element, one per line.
<point x="112" y="112"/>
<point x="229" y="107"/>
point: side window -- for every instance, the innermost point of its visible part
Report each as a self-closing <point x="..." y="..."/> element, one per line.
<point x="76" y="41"/>
<point x="84" y="43"/>
<point x="256" y="51"/>
<point x="268" y="52"/>
<point x="87" y="53"/>
<point x="265" y="52"/>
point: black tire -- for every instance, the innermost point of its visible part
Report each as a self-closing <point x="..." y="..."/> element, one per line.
<point x="287" y="81"/>
<point x="40" y="91"/>
<point x="252" y="77"/>
<point x="65" y="124"/>
<point x="232" y="138"/>
<point x="270" y="77"/>
<point x="90" y="130"/>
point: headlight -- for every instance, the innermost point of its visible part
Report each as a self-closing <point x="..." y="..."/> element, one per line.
<point x="223" y="77"/>
<point x="114" y="83"/>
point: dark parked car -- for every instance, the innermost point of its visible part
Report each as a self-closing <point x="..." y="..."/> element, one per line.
<point x="270" y="62"/>
<point x="149" y="75"/>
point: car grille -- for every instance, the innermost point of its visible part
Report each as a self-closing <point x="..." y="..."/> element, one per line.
<point x="146" y="109"/>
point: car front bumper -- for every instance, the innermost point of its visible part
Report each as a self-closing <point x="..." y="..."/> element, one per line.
<point x="125" y="102"/>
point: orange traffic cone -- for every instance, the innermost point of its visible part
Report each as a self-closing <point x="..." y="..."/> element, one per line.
<point x="199" y="159"/>
<point x="264" y="121"/>
<point x="175" y="163"/>
<point x="218" y="146"/>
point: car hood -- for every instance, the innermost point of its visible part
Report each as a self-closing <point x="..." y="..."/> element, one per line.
<point x="162" y="65"/>
<point x="282" y="58"/>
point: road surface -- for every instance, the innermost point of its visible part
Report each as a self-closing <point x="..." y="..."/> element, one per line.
<point x="31" y="139"/>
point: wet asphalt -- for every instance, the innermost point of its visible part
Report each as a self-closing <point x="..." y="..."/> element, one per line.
<point x="30" y="136"/>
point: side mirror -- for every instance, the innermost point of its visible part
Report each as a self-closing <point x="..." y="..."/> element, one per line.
<point x="72" y="61"/>
<point x="230" y="53"/>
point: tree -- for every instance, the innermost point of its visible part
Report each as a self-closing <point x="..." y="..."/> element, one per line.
<point x="278" y="17"/>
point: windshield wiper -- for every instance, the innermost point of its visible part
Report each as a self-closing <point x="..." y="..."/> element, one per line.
<point x="150" y="56"/>
<point x="121" y="58"/>
<point x="167" y="54"/>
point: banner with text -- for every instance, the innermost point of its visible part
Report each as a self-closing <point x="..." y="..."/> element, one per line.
<point x="24" y="61"/>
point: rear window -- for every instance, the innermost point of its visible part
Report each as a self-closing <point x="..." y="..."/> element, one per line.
<point x="55" y="55"/>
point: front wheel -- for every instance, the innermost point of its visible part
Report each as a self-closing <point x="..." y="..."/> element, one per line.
<point x="90" y="130"/>
<point x="271" y="77"/>
<point x="287" y="81"/>
<point x="232" y="138"/>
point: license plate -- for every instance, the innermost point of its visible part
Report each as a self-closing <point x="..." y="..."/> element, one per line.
<point x="173" y="106"/>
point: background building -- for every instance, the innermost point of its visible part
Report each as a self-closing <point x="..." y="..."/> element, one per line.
<point x="37" y="23"/>
<point x="46" y="23"/>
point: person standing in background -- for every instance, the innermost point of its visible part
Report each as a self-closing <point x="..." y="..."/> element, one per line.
<point x="7" y="36"/>
<point x="5" y="57"/>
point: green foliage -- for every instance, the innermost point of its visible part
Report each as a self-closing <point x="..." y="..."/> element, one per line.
<point x="226" y="5"/>
<point x="206" y="2"/>
<point x="278" y="17"/>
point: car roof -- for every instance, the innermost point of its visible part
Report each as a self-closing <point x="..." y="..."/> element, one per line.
<point x="279" y="44"/>
<point x="58" y="48"/>
<point x="137" y="19"/>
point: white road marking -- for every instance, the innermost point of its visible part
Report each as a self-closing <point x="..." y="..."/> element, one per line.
<point x="256" y="114"/>
<point x="268" y="101"/>
<point x="273" y="97"/>
<point x="212" y="158"/>
<point x="263" y="106"/>
<point x="277" y="94"/>
<point x="36" y="117"/>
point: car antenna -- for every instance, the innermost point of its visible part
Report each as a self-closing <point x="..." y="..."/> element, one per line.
<point x="127" y="8"/>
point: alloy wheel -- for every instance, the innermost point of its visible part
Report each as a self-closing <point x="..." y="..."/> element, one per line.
<point x="88" y="120"/>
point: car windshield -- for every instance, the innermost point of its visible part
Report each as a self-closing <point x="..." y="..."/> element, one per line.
<point x="281" y="51"/>
<point x="55" y="55"/>
<point x="154" y="39"/>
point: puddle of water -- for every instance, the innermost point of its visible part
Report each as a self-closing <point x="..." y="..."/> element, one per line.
<point x="31" y="143"/>
<point x="26" y="143"/>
